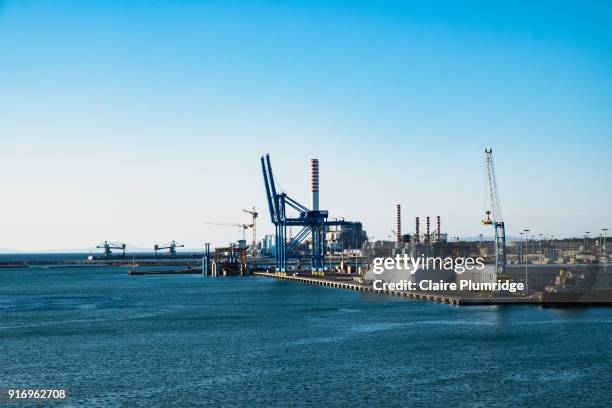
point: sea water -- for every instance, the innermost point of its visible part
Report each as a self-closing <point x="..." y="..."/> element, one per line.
<point x="111" y="339"/>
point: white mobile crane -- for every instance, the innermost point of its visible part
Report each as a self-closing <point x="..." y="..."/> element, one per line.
<point x="494" y="216"/>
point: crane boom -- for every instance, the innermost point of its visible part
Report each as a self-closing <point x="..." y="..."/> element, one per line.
<point x="495" y="210"/>
<point x="243" y="227"/>
<point x="228" y="224"/>
<point x="276" y="203"/>
<point x="271" y="204"/>
<point x="492" y="181"/>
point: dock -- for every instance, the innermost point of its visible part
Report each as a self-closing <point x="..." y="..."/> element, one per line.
<point x="457" y="298"/>
<point x="188" y="271"/>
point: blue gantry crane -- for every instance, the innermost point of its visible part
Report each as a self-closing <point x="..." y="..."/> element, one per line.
<point x="109" y="246"/>
<point x="314" y="222"/>
<point x="170" y="246"/>
<point x="494" y="216"/>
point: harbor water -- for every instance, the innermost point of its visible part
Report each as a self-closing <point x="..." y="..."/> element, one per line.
<point x="116" y="340"/>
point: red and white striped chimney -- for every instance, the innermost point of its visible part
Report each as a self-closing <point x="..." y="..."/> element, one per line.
<point x="314" y="183"/>
<point x="398" y="226"/>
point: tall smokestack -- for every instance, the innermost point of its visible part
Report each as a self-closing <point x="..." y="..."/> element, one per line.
<point x="427" y="229"/>
<point x="417" y="230"/>
<point x="398" y="228"/>
<point x="438" y="235"/>
<point x="314" y="183"/>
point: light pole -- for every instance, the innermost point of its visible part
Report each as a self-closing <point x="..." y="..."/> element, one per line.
<point x="205" y="259"/>
<point x="541" y="249"/>
<point x="586" y="240"/>
<point x="605" y="233"/>
<point x="521" y="256"/>
<point x="355" y="242"/>
<point x="526" y="261"/>
<point x="341" y="249"/>
<point x="371" y="252"/>
<point x="553" y="250"/>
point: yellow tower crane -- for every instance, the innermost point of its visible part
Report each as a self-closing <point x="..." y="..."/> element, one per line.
<point x="254" y="215"/>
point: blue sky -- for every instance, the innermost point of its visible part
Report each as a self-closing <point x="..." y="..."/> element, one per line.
<point x="138" y="121"/>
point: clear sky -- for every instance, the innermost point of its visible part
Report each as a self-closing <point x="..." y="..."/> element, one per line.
<point x="136" y="121"/>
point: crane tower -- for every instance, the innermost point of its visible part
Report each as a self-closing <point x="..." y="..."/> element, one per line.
<point x="254" y="214"/>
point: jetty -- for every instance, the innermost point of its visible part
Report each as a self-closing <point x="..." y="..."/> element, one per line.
<point x="457" y="298"/>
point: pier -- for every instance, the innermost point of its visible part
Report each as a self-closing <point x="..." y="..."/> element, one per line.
<point x="457" y="298"/>
<point x="188" y="271"/>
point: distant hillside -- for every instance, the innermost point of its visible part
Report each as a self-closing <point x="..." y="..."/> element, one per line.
<point x="10" y="251"/>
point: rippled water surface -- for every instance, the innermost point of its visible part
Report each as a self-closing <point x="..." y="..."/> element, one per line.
<point x="115" y="340"/>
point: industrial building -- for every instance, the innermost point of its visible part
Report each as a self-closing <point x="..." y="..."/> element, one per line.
<point x="350" y="235"/>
